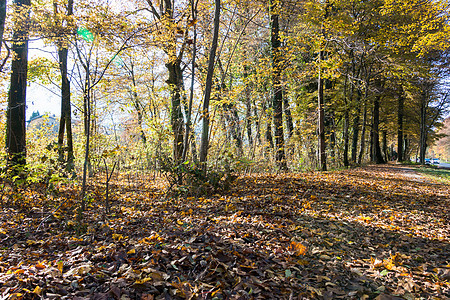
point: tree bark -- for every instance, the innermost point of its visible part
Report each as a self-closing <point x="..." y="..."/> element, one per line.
<point x="65" y="123"/>
<point x="321" y="118"/>
<point x="2" y="21"/>
<point x="280" y="156"/>
<point x="248" y="106"/>
<point x="378" y="157"/>
<point x="363" y="135"/>
<point x="400" y="114"/>
<point x="208" y="86"/>
<point x="288" y="116"/>
<point x="268" y="132"/>
<point x="423" y="128"/>
<point x="15" y="117"/>
<point x="346" y="136"/>
<point x="176" y="118"/>
<point x="356" y="120"/>
<point x="385" y="146"/>
<point x="191" y="94"/>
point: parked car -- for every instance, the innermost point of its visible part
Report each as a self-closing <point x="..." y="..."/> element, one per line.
<point x="428" y="161"/>
<point x="436" y="161"/>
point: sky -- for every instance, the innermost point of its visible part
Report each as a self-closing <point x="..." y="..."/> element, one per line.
<point x="38" y="97"/>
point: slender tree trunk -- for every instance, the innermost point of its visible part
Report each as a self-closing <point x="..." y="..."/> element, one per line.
<point x="65" y="123"/>
<point x="363" y="135"/>
<point x="2" y="21"/>
<point x="191" y="94"/>
<point x="137" y="106"/>
<point x="346" y="136"/>
<point x="378" y="157"/>
<point x="288" y="116"/>
<point x="321" y="118"/>
<point x="356" y="120"/>
<point x="268" y="133"/>
<point x="257" y="123"/>
<point x="280" y="157"/>
<point x="248" y="106"/>
<point x="232" y="119"/>
<point x="15" y="117"/>
<point x="385" y="146"/>
<point x="423" y="128"/>
<point x="86" y="164"/>
<point x="400" y="113"/>
<point x="208" y="86"/>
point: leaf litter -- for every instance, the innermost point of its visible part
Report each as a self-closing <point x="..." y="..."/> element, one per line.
<point x="367" y="233"/>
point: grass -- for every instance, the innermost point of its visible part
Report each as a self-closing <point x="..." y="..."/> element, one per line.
<point x="442" y="175"/>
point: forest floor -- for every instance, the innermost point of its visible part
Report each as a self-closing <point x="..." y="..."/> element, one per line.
<point x="375" y="232"/>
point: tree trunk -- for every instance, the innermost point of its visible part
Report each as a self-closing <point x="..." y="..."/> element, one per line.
<point x="406" y="148"/>
<point x="248" y="106"/>
<point x="378" y="157"/>
<point x="257" y="123"/>
<point x="15" y="117"/>
<point x="400" y="113"/>
<point x="356" y="129"/>
<point x="321" y="118"/>
<point x="176" y="118"/>
<point x="346" y="136"/>
<point x="191" y="94"/>
<point x="423" y="128"/>
<point x="86" y="164"/>
<point x="385" y="146"/>
<point x="363" y="135"/>
<point x="268" y="133"/>
<point x="65" y="123"/>
<point x="2" y="21"/>
<point x="208" y="86"/>
<point x="289" y="124"/>
<point x="280" y="157"/>
<point x="232" y="118"/>
<point x="138" y="106"/>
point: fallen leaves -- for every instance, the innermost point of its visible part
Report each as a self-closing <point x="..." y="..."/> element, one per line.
<point x="367" y="233"/>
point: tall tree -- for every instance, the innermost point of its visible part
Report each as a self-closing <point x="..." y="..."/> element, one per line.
<point x="65" y="123"/>
<point x="280" y="156"/>
<point x="208" y="85"/>
<point x="2" y="20"/>
<point x="400" y="115"/>
<point x="15" y="117"/>
<point x="377" y="156"/>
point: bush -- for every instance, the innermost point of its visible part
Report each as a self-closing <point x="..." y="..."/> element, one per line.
<point x="190" y="179"/>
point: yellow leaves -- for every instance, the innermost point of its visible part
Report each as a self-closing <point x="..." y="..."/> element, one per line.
<point x="132" y="251"/>
<point x="37" y="290"/>
<point x="60" y="266"/>
<point x="16" y="296"/>
<point x="365" y="219"/>
<point x="392" y="263"/>
<point x="117" y="237"/>
<point x="230" y="207"/>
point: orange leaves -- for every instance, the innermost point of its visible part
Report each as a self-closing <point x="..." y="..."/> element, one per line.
<point x="155" y="237"/>
<point x="297" y="248"/>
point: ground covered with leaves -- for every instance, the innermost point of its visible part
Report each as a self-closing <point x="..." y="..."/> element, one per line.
<point x="378" y="232"/>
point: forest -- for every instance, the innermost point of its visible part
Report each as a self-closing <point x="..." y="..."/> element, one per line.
<point x="226" y="149"/>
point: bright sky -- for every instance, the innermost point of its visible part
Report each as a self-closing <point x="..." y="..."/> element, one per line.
<point x="38" y="97"/>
